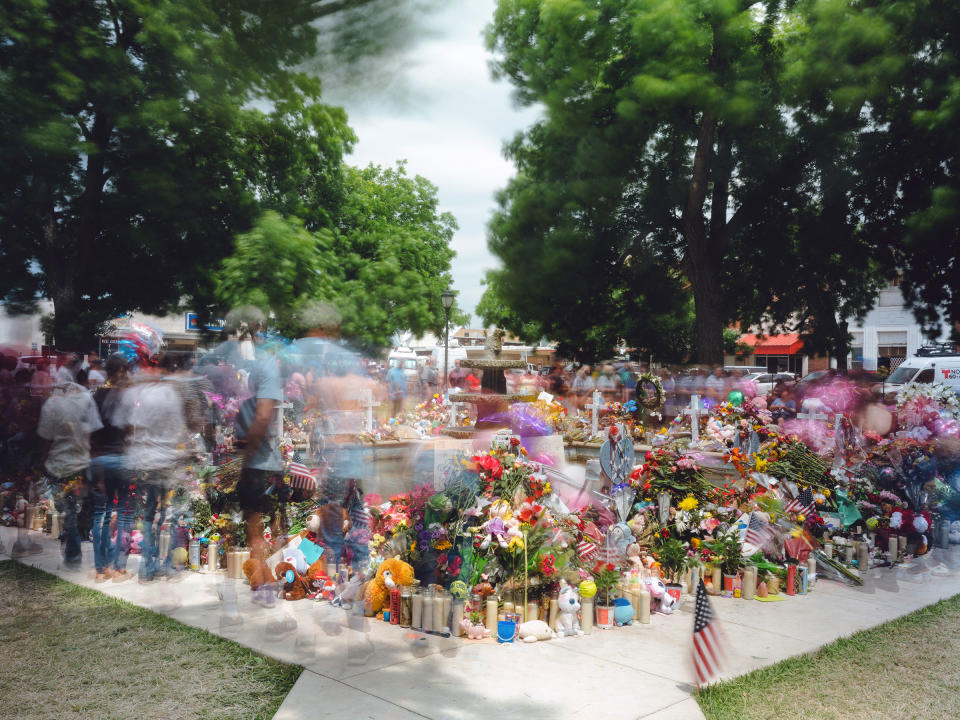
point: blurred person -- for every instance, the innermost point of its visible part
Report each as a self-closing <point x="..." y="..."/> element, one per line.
<point x="397" y="388"/>
<point x="67" y="372"/>
<point x="151" y="414"/>
<point x="457" y="376"/>
<point x="583" y="386"/>
<point x="429" y="379"/>
<point x="714" y="384"/>
<point x="607" y="383"/>
<point x="783" y="407"/>
<point x="41" y="381"/>
<point x="67" y="419"/>
<point x="95" y="375"/>
<point x="110" y="478"/>
<point x="628" y="382"/>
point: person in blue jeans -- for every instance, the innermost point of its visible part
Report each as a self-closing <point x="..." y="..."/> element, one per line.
<point x="111" y="480"/>
<point x="67" y="419"/>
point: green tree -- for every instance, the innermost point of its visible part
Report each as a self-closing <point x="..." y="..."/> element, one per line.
<point x="133" y="148"/>
<point x="390" y="256"/>
<point x="703" y="137"/>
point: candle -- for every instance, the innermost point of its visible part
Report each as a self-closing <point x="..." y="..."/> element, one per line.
<point x="749" y="583"/>
<point x="56" y="522"/>
<point x="586" y="615"/>
<point x="428" y="610"/>
<point x="802" y="586"/>
<point x="456" y="617"/>
<point x="902" y="540"/>
<point x="194" y="555"/>
<point x="395" y="606"/>
<point x="244" y="556"/>
<point x="439" y="618"/>
<point x="406" y="607"/>
<point x="213" y="552"/>
<point x="30" y="517"/>
<point x="892" y="548"/>
<point x="416" y="609"/>
<point x="447" y="604"/>
<point x="863" y="558"/>
<point x="828" y="549"/>
<point x="532" y="611"/>
<point x="848" y="553"/>
<point x="791" y="579"/>
<point x="492" y="616"/>
<point x="554" y="613"/>
<point x="716" y="578"/>
<point x="508" y="607"/>
<point x="694" y="579"/>
<point x="643" y="602"/>
<point x="811" y="569"/>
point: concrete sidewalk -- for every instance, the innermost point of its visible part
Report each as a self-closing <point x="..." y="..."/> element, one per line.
<point x="367" y="669"/>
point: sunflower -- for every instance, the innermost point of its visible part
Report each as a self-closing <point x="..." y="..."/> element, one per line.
<point x="688" y="503"/>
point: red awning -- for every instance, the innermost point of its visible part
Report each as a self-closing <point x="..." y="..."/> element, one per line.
<point x="787" y="344"/>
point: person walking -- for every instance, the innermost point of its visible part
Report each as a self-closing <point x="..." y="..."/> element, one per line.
<point x="67" y="419"/>
<point x="397" y="387"/>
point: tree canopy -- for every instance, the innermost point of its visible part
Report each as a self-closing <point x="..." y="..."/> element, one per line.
<point x="732" y="146"/>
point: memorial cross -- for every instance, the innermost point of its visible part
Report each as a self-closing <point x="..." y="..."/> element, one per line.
<point x="694" y="412"/>
<point x="595" y="406"/>
<point x="367" y="403"/>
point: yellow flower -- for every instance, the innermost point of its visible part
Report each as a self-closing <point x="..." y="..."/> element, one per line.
<point x="695" y="542"/>
<point x="688" y="503"/>
<point x="826" y="493"/>
<point x="547" y="488"/>
<point x="516" y="543"/>
<point x="443" y="545"/>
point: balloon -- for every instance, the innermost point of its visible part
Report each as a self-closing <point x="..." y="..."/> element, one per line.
<point x="736" y="398"/>
<point x="588" y="588"/>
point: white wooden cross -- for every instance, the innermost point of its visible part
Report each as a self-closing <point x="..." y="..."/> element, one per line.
<point x="812" y="416"/>
<point x="367" y="403"/>
<point x="595" y="406"/>
<point x="452" y="414"/>
<point x="694" y="412"/>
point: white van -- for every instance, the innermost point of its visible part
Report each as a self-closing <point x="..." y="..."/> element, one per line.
<point x="938" y="365"/>
<point x="407" y="360"/>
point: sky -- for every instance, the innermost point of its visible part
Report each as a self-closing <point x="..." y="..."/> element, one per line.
<point x="428" y="97"/>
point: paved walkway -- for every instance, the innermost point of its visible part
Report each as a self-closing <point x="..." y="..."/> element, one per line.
<point x="366" y="669"/>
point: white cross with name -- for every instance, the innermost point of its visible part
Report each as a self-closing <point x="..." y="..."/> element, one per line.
<point x="595" y="406"/>
<point x="694" y="412"/>
<point x="812" y="416"/>
<point x="452" y="414"/>
<point x="367" y="404"/>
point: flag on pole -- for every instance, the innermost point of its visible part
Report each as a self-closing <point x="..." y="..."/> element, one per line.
<point x="586" y="549"/>
<point x="708" y="640"/>
<point x="802" y="503"/>
<point x="759" y="532"/>
<point x="302" y="477"/>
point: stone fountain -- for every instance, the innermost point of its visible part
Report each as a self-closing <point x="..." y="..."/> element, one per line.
<point x="493" y="401"/>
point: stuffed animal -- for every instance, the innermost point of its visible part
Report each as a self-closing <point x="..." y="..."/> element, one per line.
<point x="666" y="603"/>
<point x="500" y="525"/>
<point x="257" y="573"/>
<point x="623" y="612"/>
<point x="295" y="585"/>
<point x="534" y="630"/>
<point x="392" y="572"/>
<point x="474" y="631"/>
<point x="317" y="573"/>
<point x="568" y="624"/>
<point x="954" y="534"/>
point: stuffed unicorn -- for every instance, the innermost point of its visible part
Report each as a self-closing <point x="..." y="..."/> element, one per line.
<point x="658" y="591"/>
<point x="568" y="624"/>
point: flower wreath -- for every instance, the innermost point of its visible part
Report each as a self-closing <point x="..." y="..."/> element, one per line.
<point x="654" y="400"/>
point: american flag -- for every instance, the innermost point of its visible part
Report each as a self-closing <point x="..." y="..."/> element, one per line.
<point x="708" y="639"/>
<point x="586" y="549"/>
<point x="759" y="532"/>
<point x="802" y="503"/>
<point x="302" y="477"/>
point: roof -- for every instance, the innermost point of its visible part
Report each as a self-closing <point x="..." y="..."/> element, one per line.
<point x="786" y="344"/>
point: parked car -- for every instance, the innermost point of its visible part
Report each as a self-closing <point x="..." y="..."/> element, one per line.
<point x="766" y="382"/>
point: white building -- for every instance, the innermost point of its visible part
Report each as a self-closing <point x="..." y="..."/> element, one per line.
<point x="888" y="334"/>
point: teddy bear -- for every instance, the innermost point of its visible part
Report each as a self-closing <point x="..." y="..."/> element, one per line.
<point x="391" y="573"/>
<point x="534" y="630"/>
<point x="295" y="585"/>
<point x="257" y="573"/>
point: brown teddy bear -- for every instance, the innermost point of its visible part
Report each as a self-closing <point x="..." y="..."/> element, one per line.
<point x="258" y="574"/>
<point x="392" y="572"/>
<point x="295" y="585"/>
<point x="317" y="575"/>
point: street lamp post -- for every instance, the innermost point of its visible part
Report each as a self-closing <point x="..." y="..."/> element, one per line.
<point x="446" y="297"/>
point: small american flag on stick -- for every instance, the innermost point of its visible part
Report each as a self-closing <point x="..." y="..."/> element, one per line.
<point x="586" y="549"/>
<point x="302" y="477"/>
<point x="759" y="532"/>
<point x="802" y="503"/>
<point x="708" y="639"/>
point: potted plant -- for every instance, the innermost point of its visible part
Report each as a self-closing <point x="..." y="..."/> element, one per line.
<point x="606" y="578"/>
<point x="727" y="546"/>
<point x="673" y="559"/>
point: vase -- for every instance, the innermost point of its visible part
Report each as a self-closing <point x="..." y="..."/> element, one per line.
<point x="773" y="585"/>
<point x="605" y="616"/>
<point x="675" y="590"/>
<point x="730" y="582"/>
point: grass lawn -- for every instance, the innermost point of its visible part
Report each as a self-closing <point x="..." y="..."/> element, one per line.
<point x="907" y="668"/>
<point x="71" y="652"/>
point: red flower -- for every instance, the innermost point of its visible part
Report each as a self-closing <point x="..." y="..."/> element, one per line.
<point x="665" y="532"/>
<point x="514" y="441"/>
<point x="635" y="475"/>
<point x="489" y="466"/>
<point x="610" y="566"/>
<point x="648" y="456"/>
